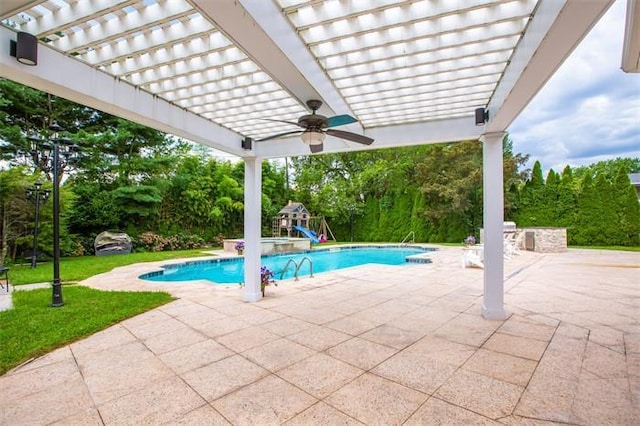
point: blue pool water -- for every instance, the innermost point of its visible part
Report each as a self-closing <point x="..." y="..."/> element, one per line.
<point x="231" y="271"/>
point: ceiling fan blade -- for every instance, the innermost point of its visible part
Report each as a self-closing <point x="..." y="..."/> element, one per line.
<point x="293" y="132"/>
<point x="353" y="137"/>
<point x="340" y="120"/>
<point x="316" y="148"/>
<point x="281" y="121"/>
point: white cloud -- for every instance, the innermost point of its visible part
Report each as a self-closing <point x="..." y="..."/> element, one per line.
<point x="590" y="109"/>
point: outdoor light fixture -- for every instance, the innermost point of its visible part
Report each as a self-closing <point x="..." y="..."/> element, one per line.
<point x="25" y="49"/>
<point x="312" y="137"/>
<point x="482" y="116"/>
<point x="37" y="195"/>
<point x="246" y="143"/>
<point x="55" y="155"/>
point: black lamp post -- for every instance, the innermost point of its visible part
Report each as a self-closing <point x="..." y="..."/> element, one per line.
<point x="37" y="195"/>
<point x="55" y="155"/>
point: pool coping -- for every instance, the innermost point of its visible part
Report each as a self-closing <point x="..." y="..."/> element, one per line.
<point x="414" y="258"/>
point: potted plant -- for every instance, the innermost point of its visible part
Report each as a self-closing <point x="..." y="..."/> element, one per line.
<point x="470" y="240"/>
<point x="240" y="247"/>
<point x="266" y="278"/>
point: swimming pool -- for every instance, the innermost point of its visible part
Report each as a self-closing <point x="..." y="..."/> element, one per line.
<point x="231" y="270"/>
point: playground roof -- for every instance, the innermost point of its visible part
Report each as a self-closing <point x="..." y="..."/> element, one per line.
<point x="412" y="72"/>
<point x="293" y="207"/>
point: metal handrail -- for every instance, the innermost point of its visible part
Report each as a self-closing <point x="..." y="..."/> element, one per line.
<point x="287" y="265"/>
<point x="310" y="267"/>
<point x="410" y="234"/>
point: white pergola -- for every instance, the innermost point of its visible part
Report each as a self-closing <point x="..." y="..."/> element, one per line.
<point x="412" y="72"/>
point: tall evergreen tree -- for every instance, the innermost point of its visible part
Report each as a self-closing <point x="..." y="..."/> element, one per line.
<point x="627" y="209"/>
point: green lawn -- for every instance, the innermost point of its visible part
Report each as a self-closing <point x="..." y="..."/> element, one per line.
<point x="621" y="248"/>
<point x="33" y="328"/>
<point x="74" y="269"/>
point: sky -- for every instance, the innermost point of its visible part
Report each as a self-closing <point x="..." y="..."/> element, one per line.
<point x="589" y="110"/>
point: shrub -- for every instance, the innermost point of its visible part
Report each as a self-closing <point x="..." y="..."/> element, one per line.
<point x="150" y="241"/>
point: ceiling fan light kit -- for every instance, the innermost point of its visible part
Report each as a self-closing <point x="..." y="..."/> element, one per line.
<point x="316" y="127"/>
<point x="312" y="137"/>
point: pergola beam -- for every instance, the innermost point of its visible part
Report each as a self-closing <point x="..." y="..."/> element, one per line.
<point x="631" y="46"/>
<point x="78" y="82"/>
<point x="554" y="32"/>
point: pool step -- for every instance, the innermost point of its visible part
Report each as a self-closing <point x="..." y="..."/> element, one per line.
<point x="419" y="258"/>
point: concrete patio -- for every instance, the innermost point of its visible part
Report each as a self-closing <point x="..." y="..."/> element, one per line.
<point x="373" y="345"/>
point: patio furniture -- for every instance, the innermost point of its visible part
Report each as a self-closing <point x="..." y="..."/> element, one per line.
<point x="473" y="256"/>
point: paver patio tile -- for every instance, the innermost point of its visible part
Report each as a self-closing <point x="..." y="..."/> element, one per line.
<point x="604" y="362"/>
<point x="146" y="318"/>
<point x="319" y="338"/>
<point x="23" y="381"/>
<point x="523" y="327"/>
<point x="609" y="338"/>
<point x="153" y="328"/>
<point x="113" y="382"/>
<point x="109" y="338"/>
<point x="182" y="307"/>
<point x="442" y="350"/>
<point x="516" y="345"/>
<point x="375" y="400"/>
<point x="261" y="317"/>
<point x="246" y="338"/>
<point x="392" y="336"/>
<point x="166" y="342"/>
<point x="286" y="326"/>
<point x="602" y="401"/>
<point x="500" y="366"/>
<point x="438" y="412"/>
<point x="484" y="395"/>
<point x="425" y="319"/>
<point x="223" y="377"/>
<point x="202" y="416"/>
<point x="159" y="402"/>
<point x="361" y="353"/>
<point x="351" y="325"/>
<point x="269" y="401"/>
<point x="322" y="414"/>
<point x="88" y="417"/>
<point x="194" y="356"/>
<point x="47" y="405"/>
<point x="633" y="366"/>
<point x="234" y="309"/>
<point x="317" y="316"/>
<point x="457" y="303"/>
<point x="632" y="342"/>
<point x="320" y="374"/>
<point x="116" y="357"/>
<point x="549" y="395"/>
<point x="222" y="326"/>
<point x="468" y="329"/>
<point x="278" y="354"/>
<point x="416" y="371"/>
<point x="193" y="319"/>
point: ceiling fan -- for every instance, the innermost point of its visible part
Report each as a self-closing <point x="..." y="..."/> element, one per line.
<point x="315" y="127"/>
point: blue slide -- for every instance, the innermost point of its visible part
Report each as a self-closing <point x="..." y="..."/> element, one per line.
<point x="307" y="233"/>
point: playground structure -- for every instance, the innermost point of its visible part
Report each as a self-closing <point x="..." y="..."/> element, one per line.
<point x="294" y="217"/>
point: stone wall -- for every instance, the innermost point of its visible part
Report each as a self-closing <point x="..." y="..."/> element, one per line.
<point x="545" y="240"/>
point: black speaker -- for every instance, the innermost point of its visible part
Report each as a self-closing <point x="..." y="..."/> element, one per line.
<point x="25" y="49"/>
<point x="246" y="143"/>
<point x="482" y="116"/>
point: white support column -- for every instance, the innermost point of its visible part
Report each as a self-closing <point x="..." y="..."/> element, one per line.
<point x="493" y="304"/>
<point x="252" y="228"/>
